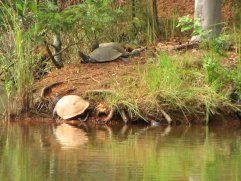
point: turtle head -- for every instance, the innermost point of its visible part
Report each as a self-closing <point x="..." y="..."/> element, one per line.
<point x="137" y="52"/>
<point x="85" y="58"/>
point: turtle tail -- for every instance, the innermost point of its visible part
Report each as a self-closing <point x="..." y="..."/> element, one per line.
<point x="85" y="58"/>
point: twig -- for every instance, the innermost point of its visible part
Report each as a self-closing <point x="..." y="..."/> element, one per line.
<point x="95" y="80"/>
<point x="81" y="83"/>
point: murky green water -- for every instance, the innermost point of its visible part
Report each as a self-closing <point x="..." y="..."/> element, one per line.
<point x="50" y="153"/>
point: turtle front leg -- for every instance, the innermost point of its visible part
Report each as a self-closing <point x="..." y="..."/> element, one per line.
<point x="85" y="118"/>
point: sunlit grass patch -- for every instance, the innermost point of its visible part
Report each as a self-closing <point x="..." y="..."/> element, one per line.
<point x="167" y="83"/>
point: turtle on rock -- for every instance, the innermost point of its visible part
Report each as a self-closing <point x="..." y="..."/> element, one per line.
<point x="107" y="52"/>
<point x="71" y="106"/>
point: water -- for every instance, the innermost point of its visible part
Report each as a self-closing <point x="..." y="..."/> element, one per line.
<point x="45" y="152"/>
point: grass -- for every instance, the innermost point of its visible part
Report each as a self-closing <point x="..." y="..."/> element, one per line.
<point x="18" y="63"/>
<point x="167" y="83"/>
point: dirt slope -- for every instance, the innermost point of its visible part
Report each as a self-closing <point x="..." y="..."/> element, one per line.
<point x="82" y="77"/>
<point x="170" y="8"/>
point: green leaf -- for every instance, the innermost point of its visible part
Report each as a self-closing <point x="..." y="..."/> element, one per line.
<point x="19" y="6"/>
<point x="186" y="28"/>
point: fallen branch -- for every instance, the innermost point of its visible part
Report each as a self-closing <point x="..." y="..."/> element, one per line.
<point x="47" y="88"/>
<point x="59" y="66"/>
<point x="63" y="48"/>
<point x="99" y="91"/>
<point x="186" y="46"/>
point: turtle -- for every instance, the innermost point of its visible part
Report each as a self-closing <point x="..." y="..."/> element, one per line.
<point x="114" y="45"/>
<point x="71" y="106"/>
<point x="108" y="52"/>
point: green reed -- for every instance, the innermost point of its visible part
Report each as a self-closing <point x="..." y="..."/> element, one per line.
<point x="18" y="60"/>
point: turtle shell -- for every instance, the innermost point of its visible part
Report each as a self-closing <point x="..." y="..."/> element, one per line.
<point x="115" y="46"/>
<point x="105" y="54"/>
<point x="70" y="106"/>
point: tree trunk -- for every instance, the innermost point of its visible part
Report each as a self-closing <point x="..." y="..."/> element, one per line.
<point x="58" y="47"/>
<point x="208" y="12"/>
<point x="155" y="16"/>
<point x="57" y="44"/>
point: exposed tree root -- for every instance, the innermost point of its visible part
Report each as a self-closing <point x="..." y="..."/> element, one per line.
<point x="123" y="116"/>
<point x="122" y="113"/>
<point x="167" y="117"/>
<point x="108" y="117"/>
<point x="42" y="103"/>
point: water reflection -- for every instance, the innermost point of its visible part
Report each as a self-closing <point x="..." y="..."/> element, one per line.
<point x="91" y="152"/>
<point x="69" y="136"/>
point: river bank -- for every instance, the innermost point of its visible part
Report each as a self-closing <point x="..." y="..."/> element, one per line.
<point x="162" y="85"/>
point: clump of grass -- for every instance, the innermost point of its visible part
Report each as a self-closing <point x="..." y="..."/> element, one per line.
<point x="166" y="84"/>
<point x="18" y="62"/>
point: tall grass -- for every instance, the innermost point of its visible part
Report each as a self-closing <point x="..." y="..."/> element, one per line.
<point x="167" y="84"/>
<point x="18" y="72"/>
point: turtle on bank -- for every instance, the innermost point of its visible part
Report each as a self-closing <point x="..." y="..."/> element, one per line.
<point x="108" y="52"/>
<point x="71" y="106"/>
<point x="114" y="45"/>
